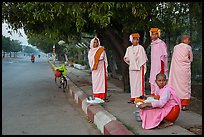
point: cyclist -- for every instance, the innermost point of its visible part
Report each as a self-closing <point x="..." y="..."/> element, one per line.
<point x="60" y="72"/>
<point x="32" y="57"/>
<point x="61" y="69"/>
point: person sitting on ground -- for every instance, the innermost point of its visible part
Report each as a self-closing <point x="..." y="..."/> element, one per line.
<point x="163" y="112"/>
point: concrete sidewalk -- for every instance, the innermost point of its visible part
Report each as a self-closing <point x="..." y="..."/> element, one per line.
<point x="116" y="117"/>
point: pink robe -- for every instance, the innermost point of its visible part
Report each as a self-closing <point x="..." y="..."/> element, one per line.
<point x="136" y="57"/>
<point x="151" y="117"/>
<point x="99" y="76"/>
<point x="180" y="70"/>
<point x="158" y="54"/>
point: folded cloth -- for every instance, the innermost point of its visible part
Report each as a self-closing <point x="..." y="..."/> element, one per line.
<point x="95" y="100"/>
<point x="150" y="99"/>
<point x="138" y="103"/>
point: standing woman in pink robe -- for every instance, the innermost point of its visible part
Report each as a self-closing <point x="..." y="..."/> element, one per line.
<point x="159" y="58"/>
<point x="136" y="58"/>
<point x="98" y="64"/>
<point x="180" y="70"/>
<point x="165" y="111"/>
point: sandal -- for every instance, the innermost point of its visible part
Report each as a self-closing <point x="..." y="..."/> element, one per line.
<point x="132" y="102"/>
<point x="106" y="100"/>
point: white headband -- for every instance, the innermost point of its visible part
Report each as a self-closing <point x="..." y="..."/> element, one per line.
<point x="131" y="38"/>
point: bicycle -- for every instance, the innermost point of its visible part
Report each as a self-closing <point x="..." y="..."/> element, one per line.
<point x="60" y="79"/>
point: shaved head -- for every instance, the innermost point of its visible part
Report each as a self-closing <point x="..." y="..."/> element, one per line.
<point x="184" y="37"/>
<point x="161" y="75"/>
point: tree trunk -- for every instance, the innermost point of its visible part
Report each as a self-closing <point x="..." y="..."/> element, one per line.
<point x="124" y="66"/>
<point x="147" y="41"/>
<point x="141" y="37"/>
<point x="118" y="46"/>
<point x="125" y="75"/>
<point x="113" y="65"/>
<point x="169" y="43"/>
<point x="111" y="60"/>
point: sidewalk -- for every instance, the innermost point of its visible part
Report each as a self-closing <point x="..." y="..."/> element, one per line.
<point x="116" y="116"/>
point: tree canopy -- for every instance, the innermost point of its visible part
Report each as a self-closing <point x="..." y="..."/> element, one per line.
<point x="9" y="45"/>
<point x="46" y="23"/>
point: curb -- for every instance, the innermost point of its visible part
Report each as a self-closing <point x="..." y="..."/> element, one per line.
<point x="105" y="122"/>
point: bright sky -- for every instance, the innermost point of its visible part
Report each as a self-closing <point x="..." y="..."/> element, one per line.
<point x="14" y="36"/>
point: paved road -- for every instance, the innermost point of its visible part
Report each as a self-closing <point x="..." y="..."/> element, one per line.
<point x="33" y="105"/>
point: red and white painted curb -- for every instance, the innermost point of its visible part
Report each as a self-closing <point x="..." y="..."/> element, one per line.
<point x="105" y="122"/>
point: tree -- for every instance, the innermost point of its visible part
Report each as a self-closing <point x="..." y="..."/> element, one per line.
<point x="6" y="44"/>
<point x="9" y="45"/>
<point x="16" y="47"/>
<point x="42" y="42"/>
<point x="112" y="22"/>
<point x="29" y="49"/>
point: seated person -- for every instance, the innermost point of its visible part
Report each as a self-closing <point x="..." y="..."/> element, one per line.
<point x="163" y="112"/>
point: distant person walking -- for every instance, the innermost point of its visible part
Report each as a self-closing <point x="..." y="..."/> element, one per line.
<point x="180" y="70"/>
<point x="159" y="58"/>
<point x="98" y="64"/>
<point x="136" y="58"/>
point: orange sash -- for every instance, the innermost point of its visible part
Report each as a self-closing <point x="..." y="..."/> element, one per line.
<point x="96" y="58"/>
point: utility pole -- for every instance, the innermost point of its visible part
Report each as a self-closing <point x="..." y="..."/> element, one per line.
<point x="54" y="53"/>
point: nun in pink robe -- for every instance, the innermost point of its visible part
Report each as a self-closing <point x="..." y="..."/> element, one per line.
<point x="136" y="58"/>
<point x="98" y="64"/>
<point x="161" y="109"/>
<point x="180" y="72"/>
<point x="159" y="62"/>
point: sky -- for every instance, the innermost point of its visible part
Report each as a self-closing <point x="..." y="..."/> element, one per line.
<point x="14" y="35"/>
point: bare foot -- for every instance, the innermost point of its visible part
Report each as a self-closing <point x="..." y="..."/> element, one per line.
<point x="184" y="108"/>
<point x="165" y="124"/>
